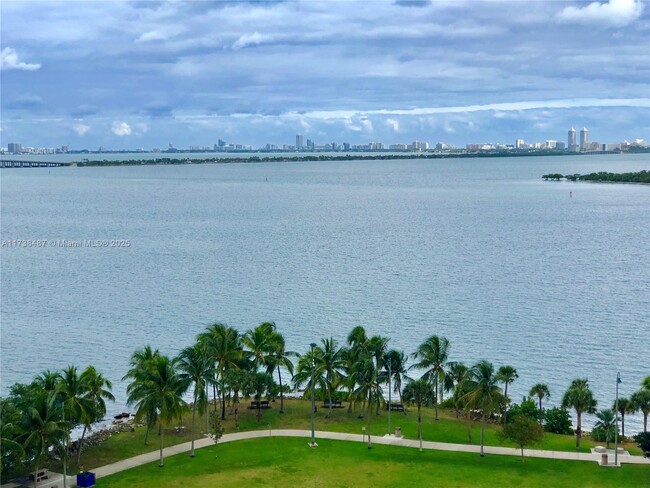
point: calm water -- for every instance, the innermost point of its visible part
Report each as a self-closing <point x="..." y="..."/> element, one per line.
<point x="507" y="266"/>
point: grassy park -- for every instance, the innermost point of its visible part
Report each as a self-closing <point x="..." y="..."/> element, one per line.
<point x="290" y="462"/>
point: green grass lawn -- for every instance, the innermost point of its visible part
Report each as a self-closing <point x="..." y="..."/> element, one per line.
<point x="297" y="416"/>
<point x="290" y="462"/>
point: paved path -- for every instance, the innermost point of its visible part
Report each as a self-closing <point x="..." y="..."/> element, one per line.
<point x="341" y="436"/>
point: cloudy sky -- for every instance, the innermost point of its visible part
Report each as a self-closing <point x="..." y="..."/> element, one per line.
<point x="145" y="74"/>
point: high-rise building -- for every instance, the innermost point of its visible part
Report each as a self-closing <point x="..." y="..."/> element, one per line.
<point x="572" y="137"/>
<point x="519" y="144"/>
<point x="15" y="147"/>
<point x="299" y="141"/>
<point x="584" y="139"/>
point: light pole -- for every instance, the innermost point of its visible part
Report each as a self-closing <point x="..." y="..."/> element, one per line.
<point x="618" y="380"/>
<point x="389" y="398"/>
<point x="65" y="461"/>
<point x="313" y="401"/>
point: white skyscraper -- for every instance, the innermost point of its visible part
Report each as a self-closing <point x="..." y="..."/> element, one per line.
<point x="584" y="139"/>
<point x="572" y="137"/>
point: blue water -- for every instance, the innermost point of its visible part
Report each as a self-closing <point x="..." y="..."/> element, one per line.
<point x="507" y="266"/>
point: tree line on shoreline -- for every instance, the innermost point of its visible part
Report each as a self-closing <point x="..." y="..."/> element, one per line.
<point x="227" y="366"/>
<point x="603" y="176"/>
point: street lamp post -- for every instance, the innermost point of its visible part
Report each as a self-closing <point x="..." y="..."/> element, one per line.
<point x="313" y="401"/>
<point x="65" y="438"/>
<point x="389" y="398"/>
<point x="618" y="380"/>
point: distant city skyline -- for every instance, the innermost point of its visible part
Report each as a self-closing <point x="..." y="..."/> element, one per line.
<point x="143" y="74"/>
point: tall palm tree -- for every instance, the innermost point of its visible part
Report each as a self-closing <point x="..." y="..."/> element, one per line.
<point x="624" y="406"/>
<point x="225" y="347"/>
<point x="377" y="348"/>
<point x="259" y="342"/>
<point x="418" y="392"/>
<point x="161" y="390"/>
<point x="483" y="392"/>
<point x="456" y="376"/>
<point x="196" y="367"/>
<point x="645" y="383"/>
<point x="280" y="358"/>
<point x="641" y="401"/>
<point x="77" y="406"/>
<point x="98" y="390"/>
<point x="43" y="426"/>
<point x="541" y="391"/>
<point x="329" y="361"/>
<point x="398" y="370"/>
<point x="433" y="355"/>
<point x="606" y="422"/>
<point x="579" y="397"/>
<point x="141" y="363"/>
<point x="506" y="375"/>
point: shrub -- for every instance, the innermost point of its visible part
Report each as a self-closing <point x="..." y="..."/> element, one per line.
<point x="643" y="440"/>
<point x="526" y="408"/>
<point x="557" y="421"/>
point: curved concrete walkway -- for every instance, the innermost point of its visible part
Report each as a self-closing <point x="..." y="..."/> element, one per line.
<point x="342" y="436"/>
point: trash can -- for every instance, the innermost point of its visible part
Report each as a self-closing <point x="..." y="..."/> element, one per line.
<point x="603" y="460"/>
<point x="398" y="432"/>
<point x="86" y="479"/>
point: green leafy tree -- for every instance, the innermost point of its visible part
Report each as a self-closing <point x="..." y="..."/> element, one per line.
<point x="541" y="391"/>
<point x="557" y="421"/>
<point x="506" y="375"/>
<point x="483" y="392"/>
<point x="12" y="452"/>
<point x="161" y="390"/>
<point x="580" y="398"/>
<point x="196" y="367"/>
<point x="645" y="384"/>
<point x="643" y="440"/>
<point x="259" y="385"/>
<point x="606" y="424"/>
<point x="526" y="408"/>
<point x="641" y="401"/>
<point x="523" y="431"/>
<point x="432" y="356"/>
<point x="418" y="392"/>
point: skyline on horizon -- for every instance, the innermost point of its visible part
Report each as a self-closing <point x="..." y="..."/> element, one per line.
<point x="144" y="74"/>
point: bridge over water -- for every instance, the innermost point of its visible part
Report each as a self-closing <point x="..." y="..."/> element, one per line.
<point x="13" y="163"/>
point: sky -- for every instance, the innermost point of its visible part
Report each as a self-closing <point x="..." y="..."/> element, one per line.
<point x="145" y="74"/>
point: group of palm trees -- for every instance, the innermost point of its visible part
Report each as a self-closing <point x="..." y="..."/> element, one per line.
<point x="224" y="365"/>
<point x="40" y="415"/>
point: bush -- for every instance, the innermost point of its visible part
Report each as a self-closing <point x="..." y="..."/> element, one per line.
<point x="526" y="408"/>
<point x="557" y="421"/>
<point x="643" y="440"/>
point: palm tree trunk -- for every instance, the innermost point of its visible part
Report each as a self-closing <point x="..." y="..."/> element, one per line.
<point x="579" y="429"/>
<point x="223" y="404"/>
<point x="645" y="422"/>
<point x="281" y="395"/>
<point x="162" y="435"/>
<point x="505" y="405"/>
<point x="541" y="412"/>
<point x="436" y="400"/>
<point x="146" y="435"/>
<point x="214" y="395"/>
<point x="623" y="426"/>
<point x="80" y="445"/>
<point x="369" y="418"/>
<point x="482" y="431"/>
<point x="420" y="424"/>
<point x="193" y="416"/>
<point x="329" y="397"/>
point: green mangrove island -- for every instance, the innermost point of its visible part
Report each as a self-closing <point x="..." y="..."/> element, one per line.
<point x="603" y="177"/>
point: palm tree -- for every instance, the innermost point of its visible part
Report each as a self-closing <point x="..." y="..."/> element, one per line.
<point x="161" y="390"/>
<point x="456" y="374"/>
<point x="641" y="401"/>
<point x="329" y="361"/>
<point x="141" y="362"/>
<point x="225" y="347"/>
<point x="377" y="348"/>
<point x="579" y="397"/>
<point x="624" y="406"/>
<point x="196" y="367"/>
<point x="483" y="392"/>
<point x="541" y="391"/>
<point x="259" y="342"/>
<point x="259" y="385"/>
<point x="78" y="408"/>
<point x="98" y="390"/>
<point x="433" y="354"/>
<point x="237" y="381"/>
<point x="645" y="384"/>
<point x="42" y="426"/>
<point x="398" y="370"/>
<point x="280" y="358"/>
<point x="12" y="452"/>
<point x="606" y="422"/>
<point x="418" y="392"/>
<point x="506" y="375"/>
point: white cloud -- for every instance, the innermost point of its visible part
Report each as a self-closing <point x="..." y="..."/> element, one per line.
<point x="151" y="36"/>
<point x="253" y="39"/>
<point x="393" y="124"/>
<point x="121" y="129"/>
<point x="615" y="13"/>
<point x="142" y="127"/>
<point x="9" y="60"/>
<point x="81" y="129"/>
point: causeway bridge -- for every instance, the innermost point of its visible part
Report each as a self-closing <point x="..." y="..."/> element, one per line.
<point x="14" y="163"/>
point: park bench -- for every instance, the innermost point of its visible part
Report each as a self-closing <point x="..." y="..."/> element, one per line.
<point x="395" y="407"/>
<point x="264" y="404"/>
<point x="335" y="404"/>
<point x="41" y="475"/>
